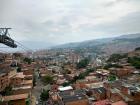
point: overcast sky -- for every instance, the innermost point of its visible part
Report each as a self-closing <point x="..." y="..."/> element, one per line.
<point x="54" y="22"/>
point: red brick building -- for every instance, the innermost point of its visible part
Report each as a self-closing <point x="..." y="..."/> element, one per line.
<point x="20" y="99"/>
<point x="4" y="81"/>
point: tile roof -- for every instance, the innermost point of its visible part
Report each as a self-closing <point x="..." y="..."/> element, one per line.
<point x="119" y="103"/>
<point x="15" y="97"/>
<point x="102" y="102"/>
<point x="69" y="96"/>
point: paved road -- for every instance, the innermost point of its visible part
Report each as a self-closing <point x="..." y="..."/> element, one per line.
<point x="37" y="89"/>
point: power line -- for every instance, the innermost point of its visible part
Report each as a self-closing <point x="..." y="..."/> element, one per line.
<point x="24" y="47"/>
<point x="19" y="46"/>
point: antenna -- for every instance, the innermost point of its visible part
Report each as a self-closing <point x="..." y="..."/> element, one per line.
<point x="5" y="39"/>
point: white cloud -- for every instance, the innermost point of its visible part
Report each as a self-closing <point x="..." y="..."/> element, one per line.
<point x="62" y="21"/>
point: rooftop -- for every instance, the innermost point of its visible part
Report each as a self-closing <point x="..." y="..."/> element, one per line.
<point x="119" y="103"/>
<point x="75" y="92"/>
<point x="102" y="102"/>
<point x="69" y="96"/>
<point x="74" y="98"/>
<point x="95" y="85"/>
<point x="19" y="75"/>
<point x="22" y="87"/>
<point x="28" y="82"/>
<point x="15" y="97"/>
<point x="65" y="88"/>
<point x="100" y="90"/>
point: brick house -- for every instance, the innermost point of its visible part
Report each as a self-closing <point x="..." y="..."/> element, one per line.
<point x="28" y="71"/>
<point x="4" y="81"/>
<point x="76" y="97"/>
<point x="17" y="79"/>
<point x="20" y="99"/>
<point x="99" y="93"/>
<point x="113" y="95"/>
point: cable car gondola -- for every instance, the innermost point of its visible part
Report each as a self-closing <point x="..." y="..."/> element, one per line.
<point x="5" y="39"/>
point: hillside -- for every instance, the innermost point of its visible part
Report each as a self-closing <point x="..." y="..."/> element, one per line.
<point x="121" y="44"/>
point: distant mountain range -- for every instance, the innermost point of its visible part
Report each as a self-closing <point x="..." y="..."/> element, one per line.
<point x="121" y="44"/>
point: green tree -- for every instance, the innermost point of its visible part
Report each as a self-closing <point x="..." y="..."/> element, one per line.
<point x="116" y="57"/>
<point x="66" y="84"/>
<point x="48" y="79"/>
<point x="81" y="76"/>
<point x="7" y="91"/>
<point x="19" y="69"/>
<point x="135" y="61"/>
<point x="28" y="60"/>
<point x="28" y="101"/>
<point x="112" y="65"/>
<point x="112" y="78"/>
<point x="44" y="96"/>
<point x="83" y="63"/>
